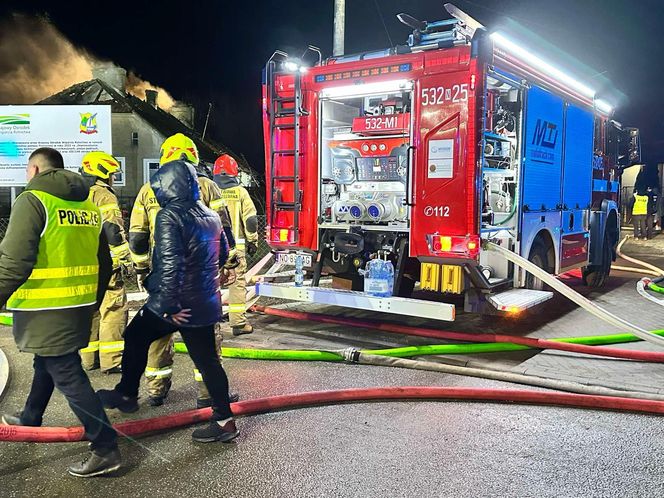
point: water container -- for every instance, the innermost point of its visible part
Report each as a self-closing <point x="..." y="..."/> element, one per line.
<point x="299" y="272"/>
<point x="379" y="278"/>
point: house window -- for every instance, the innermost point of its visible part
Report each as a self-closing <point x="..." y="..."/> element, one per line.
<point x="150" y="166"/>
<point x="119" y="179"/>
<point x="134" y="138"/>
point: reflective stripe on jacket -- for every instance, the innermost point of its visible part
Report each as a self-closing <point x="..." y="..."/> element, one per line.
<point x="66" y="272"/>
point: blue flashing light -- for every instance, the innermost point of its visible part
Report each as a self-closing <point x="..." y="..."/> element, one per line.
<point x="355" y="212"/>
<point x="373" y="211"/>
<point x="320" y="78"/>
<point x="405" y="67"/>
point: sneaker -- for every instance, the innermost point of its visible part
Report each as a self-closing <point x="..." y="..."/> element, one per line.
<point x="113" y="370"/>
<point x="215" y="432"/>
<point x="111" y="398"/>
<point x="242" y="329"/>
<point x="12" y="419"/>
<point x="207" y="402"/>
<point x="97" y="464"/>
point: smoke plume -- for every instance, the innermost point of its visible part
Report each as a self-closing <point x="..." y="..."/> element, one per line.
<point x="37" y="61"/>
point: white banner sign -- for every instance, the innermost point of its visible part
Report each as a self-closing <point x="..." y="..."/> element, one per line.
<point x="73" y="130"/>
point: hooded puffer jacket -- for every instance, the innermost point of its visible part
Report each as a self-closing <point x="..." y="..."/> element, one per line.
<point x="190" y="248"/>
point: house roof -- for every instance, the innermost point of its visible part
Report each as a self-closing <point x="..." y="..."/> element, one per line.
<point x="97" y="91"/>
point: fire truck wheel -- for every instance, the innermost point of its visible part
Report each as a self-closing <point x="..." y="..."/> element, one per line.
<point x="595" y="276"/>
<point x="538" y="256"/>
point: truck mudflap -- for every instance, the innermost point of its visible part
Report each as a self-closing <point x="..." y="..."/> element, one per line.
<point x="359" y="300"/>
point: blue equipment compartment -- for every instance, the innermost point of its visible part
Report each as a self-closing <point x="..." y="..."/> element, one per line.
<point x="578" y="167"/>
<point x="543" y="143"/>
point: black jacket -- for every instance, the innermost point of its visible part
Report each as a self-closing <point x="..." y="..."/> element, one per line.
<point x="47" y="332"/>
<point x="189" y="249"/>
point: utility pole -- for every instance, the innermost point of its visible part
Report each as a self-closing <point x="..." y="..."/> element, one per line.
<point x="339" y="27"/>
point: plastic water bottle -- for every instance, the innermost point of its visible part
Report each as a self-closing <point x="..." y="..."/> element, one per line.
<point x="299" y="273"/>
<point x="379" y="278"/>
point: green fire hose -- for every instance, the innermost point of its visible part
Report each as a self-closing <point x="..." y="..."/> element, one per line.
<point x="409" y="351"/>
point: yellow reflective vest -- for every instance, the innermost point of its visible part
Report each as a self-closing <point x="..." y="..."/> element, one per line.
<point x="640" y="204"/>
<point x="67" y="270"/>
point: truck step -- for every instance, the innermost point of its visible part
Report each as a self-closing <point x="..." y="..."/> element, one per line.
<point x="359" y="300"/>
<point x="515" y="300"/>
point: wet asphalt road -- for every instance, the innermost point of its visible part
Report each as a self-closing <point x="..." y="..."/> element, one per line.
<point x="368" y="449"/>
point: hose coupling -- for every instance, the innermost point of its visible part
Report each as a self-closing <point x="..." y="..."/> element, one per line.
<point x="351" y="355"/>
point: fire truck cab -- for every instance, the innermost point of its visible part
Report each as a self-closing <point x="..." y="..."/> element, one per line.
<point x="422" y="152"/>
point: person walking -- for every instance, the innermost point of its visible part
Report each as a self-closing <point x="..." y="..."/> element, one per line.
<point x="55" y="266"/>
<point x="105" y="347"/>
<point x="244" y="223"/>
<point x="159" y="369"/>
<point x="189" y="251"/>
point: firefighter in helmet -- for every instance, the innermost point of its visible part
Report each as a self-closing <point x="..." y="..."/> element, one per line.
<point x="108" y="324"/>
<point x="159" y="368"/>
<point x="244" y="223"/>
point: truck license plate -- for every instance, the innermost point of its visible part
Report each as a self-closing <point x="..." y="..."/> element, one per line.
<point x="288" y="258"/>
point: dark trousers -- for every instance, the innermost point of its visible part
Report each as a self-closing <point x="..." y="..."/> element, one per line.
<point x="147" y="327"/>
<point x="642" y="225"/>
<point x="66" y="373"/>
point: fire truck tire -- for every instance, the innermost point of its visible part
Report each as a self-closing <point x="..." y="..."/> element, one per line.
<point x="538" y="256"/>
<point x="595" y="276"/>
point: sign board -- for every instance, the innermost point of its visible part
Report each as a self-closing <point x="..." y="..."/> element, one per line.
<point x="73" y="130"/>
<point x="441" y="159"/>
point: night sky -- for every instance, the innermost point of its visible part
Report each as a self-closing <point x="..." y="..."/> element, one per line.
<point x="213" y="51"/>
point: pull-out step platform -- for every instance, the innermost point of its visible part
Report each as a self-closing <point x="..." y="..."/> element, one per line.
<point x="515" y="300"/>
<point x="359" y="300"/>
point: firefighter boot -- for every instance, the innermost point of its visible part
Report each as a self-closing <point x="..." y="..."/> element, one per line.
<point x="99" y="462"/>
<point x="242" y="329"/>
<point x="159" y="370"/>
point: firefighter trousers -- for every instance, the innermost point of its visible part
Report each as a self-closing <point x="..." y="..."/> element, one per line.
<point x="237" y="295"/>
<point x="159" y="368"/>
<point x="108" y="325"/>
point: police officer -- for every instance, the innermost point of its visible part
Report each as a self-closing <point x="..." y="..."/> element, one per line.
<point x="159" y="368"/>
<point x="108" y="324"/>
<point x="244" y="223"/>
<point x="640" y="218"/>
<point x="54" y="269"/>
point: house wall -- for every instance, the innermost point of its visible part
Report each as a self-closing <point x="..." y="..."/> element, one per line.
<point x="149" y="142"/>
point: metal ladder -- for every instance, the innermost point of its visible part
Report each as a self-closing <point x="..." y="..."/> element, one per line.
<point x="280" y="108"/>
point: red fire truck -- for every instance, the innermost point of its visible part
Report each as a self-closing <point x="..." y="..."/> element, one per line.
<point x="421" y="152"/>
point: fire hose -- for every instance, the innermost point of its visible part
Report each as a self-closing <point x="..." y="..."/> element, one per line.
<point x="136" y="428"/>
<point x="460" y="336"/>
<point x="575" y="297"/>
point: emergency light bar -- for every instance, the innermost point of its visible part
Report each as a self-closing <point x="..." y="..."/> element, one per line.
<point x="367" y="88"/>
<point x="538" y="63"/>
<point x="603" y="106"/>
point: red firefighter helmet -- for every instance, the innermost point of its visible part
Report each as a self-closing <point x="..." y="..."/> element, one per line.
<point x="226" y="165"/>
